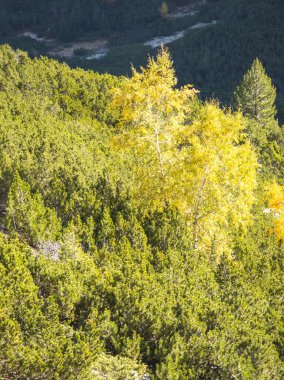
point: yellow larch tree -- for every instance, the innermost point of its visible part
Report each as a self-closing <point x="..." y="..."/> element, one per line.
<point x="275" y="194"/>
<point x="153" y="114"/>
<point x="164" y="9"/>
<point x="201" y="164"/>
<point x="219" y="174"/>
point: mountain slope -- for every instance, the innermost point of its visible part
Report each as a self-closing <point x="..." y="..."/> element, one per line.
<point x="111" y="267"/>
<point x="214" y="59"/>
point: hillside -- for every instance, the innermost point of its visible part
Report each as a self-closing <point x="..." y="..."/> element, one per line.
<point x="141" y="230"/>
<point x="213" y="58"/>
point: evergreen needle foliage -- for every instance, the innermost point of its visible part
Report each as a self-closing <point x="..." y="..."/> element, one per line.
<point x="255" y="98"/>
<point x="138" y="239"/>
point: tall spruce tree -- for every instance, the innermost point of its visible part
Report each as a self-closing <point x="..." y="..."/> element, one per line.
<point x="255" y="98"/>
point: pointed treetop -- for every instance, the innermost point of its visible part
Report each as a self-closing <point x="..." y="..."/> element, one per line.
<point x="255" y="96"/>
<point x="159" y="67"/>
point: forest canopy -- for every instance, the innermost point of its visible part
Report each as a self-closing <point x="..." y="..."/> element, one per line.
<point x="213" y="58"/>
<point x="141" y="229"/>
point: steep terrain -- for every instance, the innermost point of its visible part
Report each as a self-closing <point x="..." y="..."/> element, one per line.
<point x="141" y="228"/>
<point x="137" y="237"/>
<point x="113" y="34"/>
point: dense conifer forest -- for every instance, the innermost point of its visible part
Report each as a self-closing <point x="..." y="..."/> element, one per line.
<point x="141" y="224"/>
<point x="213" y="58"/>
<point x="141" y="228"/>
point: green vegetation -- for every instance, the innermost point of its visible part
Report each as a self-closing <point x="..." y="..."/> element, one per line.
<point x="67" y="19"/>
<point x="214" y="58"/>
<point x="133" y="237"/>
<point x="255" y="98"/>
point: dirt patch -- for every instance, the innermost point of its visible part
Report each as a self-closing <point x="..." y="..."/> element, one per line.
<point x="203" y="24"/>
<point x="34" y="36"/>
<point x="187" y="10"/>
<point x="67" y="51"/>
<point x="164" y="40"/>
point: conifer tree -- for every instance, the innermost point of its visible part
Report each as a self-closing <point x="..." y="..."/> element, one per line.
<point x="198" y="168"/>
<point x="153" y="114"/>
<point x="164" y="9"/>
<point x="275" y="195"/>
<point x="255" y="98"/>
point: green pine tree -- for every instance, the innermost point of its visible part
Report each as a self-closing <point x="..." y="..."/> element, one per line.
<point x="255" y="98"/>
<point x="27" y="214"/>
